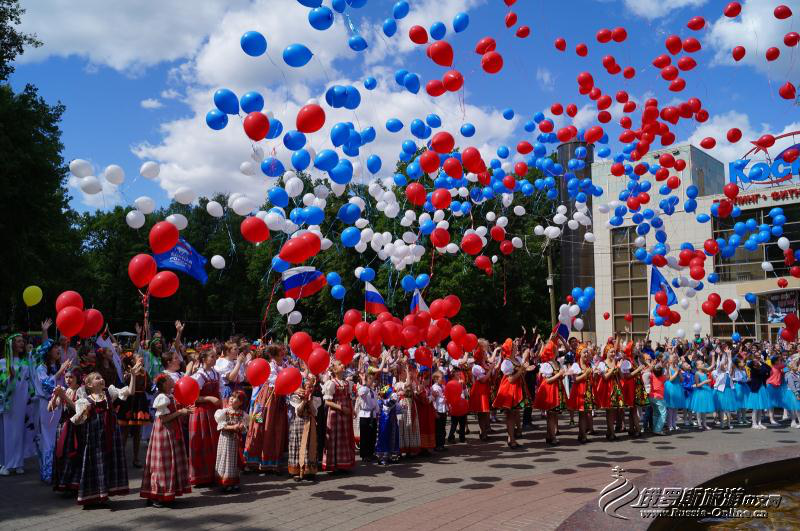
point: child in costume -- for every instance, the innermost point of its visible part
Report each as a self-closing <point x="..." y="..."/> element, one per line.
<point x="388" y="447"/>
<point x="231" y="424"/>
<point x="303" y="442"/>
<point x="69" y="439"/>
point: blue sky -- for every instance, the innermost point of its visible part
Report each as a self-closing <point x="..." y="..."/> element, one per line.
<point x="103" y="65"/>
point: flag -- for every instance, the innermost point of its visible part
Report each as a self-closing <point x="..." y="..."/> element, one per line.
<point x="373" y="302"/>
<point x="184" y="258"/>
<point x="418" y="303"/>
<point x="299" y="282"/>
<point x="563" y="330"/>
<point x="658" y="283"/>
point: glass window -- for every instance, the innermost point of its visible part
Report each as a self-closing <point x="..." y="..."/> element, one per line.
<point x="629" y="284"/>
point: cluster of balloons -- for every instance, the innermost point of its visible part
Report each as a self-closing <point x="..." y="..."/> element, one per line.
<point x="73" y="320"/>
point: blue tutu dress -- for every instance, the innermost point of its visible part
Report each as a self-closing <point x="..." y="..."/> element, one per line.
<point x="741" y="391"/>
<point x="791" y="399"/>
<point x="702" y="398"/>
<point x="776" y="395"/>
<point x="674" y="397"/>
<point x="725" y="401"/>
<point x="758" y="399"/>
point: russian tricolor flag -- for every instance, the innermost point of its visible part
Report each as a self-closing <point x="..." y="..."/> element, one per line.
<point x="373" y="302"/>
<point x="418" y="303"/>
<point x="299" y="282"/>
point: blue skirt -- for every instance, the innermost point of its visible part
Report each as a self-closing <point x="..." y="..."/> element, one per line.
<point x="674" y="397"/>
<point x="776" y="396"/>
<point x="388" y="443"/>
<point x="742" y="392"/>
<point x="702" y="400"/>
<point x="790" y="401"/>
<point x="725" y="400"/>
<point x="758" y="399"/>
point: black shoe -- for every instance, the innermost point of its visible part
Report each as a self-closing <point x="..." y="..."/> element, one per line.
<point x="462" y="439"/>
<point x="451" y="440"/>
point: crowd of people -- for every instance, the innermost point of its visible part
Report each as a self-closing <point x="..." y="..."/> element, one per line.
<point x="76" y="409"/>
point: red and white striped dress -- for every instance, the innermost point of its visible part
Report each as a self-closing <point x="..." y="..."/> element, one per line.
<point x="166" y="470"/>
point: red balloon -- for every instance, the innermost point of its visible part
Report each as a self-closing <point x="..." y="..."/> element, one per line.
<point x="714" y="299"/>
<point x="92" y="323"/>
<point x="791" y="39"/>
<point x="452" y="391"/>
<point x="663" y="311"/>
<point x="362" y="332"/>
<point x="458" y="333"/>
<point x="628" y="317"/>
<point x="441" y="198"/>
<point x="452" y="305"/>
<point x="581" y="49"/>
<point x="257" y="371"/>
<point x="728" y="306"/>
<point x="440" y="237"/>
<point x="673" y="182"/>
<point x="708" y="308"/>
<point x="696" y="23"/>
<point x="187" y="390"/>
<point x="433" y="336"/>
<point x="662" y="60"/>
<point x="69" y="298"/>
<point x="603" y="35"/>
<point x="523" y="32"/>
<point x="434" y="88"/>
<point x="738" y="53"/>
<point x="787" y="91"/>
<point x="429" y="162"/>
<point x="619" y="34"/>
<point x="469" y="343"/>
<point x="423" y="356"/>
<point x="418" y="35"/>
<point x="352" y="317"/>
<point x="301" y="248"/>
<point x="444" y="326"/>
<point x="441" y="52"/>
<point x="506" y="247"/>
<point x="471" y="243"/>
<point x="792" y="322"/>
<point x="782" y="12"/>
<point x="452" y="167"/>
<point x="415" y="193"/>
<point x="344" y="353"/>
<point x="731" y="190"/>
<point x="782" y="282"/>
<point x="288" y="381"/>
<point x="486" y="44"/>
<point x="585" y="79"/>
<point x="345" y="333"/>
<point x="472" y="160"/>
<point x="788" y="335"/>
<point x="301" y="345"/>
<point x="70" y="321"/>
<point x="453" y="80"/>
<point x="318" y="361"/>
<point x="256" y="125"/>
<point x="443" y="142"/>
<point x="497" y="233"/>
<point x="661" y="297"/>
<point x="606" y="315"/>
<point x="732" y="10"/>
<point x="697" y="273"/>
<point x="629" y="72"/>
<point x="164" y="284"/>
<point x="454" y="350"/>
<point x="492" y="62"/>
<point x="708" y="142"/>
<point x="254" y="229"/>
<point x="141" y="269"/>
<point x="560" y="44"/>
<point x="673" y="44"/>
<point x="423" y="320"/>
<point x="163" y="237"/>
<point x="772" y="53"/>
<point x="310" y="118"/>
<point x="511" y="19"/>
<point x="711" y="247"/>
<point x="437" y="309"/>
<point x="375" y="332"/>
<point x="734" y="135"/>
<point x="686" y="63"/>
<point x="691" y="45"/>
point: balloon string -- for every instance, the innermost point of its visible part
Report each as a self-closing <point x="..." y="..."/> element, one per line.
<point x="285" y="81"/>
<point x="504" y="284"/>
<point x="266" y="312"/>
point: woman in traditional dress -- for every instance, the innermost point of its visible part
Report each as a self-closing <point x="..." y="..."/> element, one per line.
<point x="104" y="472"/>
<point x="50" y="373"/>
<point x="633" y="392"/>
<point x="340" y="446"/>
<point x="203" y="434"/>
<point x="68" y="450"/>
<point x="134" y="412"/>
<point x="166" y="470"/>
<point x="230" y="367"/>
<point x="510" y="395"/>
<point x="303" y="431"/>
<point x="408" y="419"/>
<point x="551" y="396"/>
<point x="479" y="394"/>
<point x="581" y="395"/>
<point x="231" y="424"/>
<point x="426" y="413"/>
<point x="268" y="431"/>
<point x="609" y="389"/>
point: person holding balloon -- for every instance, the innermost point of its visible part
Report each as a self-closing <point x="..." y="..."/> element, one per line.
<point x="268" y="431"/>
<point x="203" y="433"/>
<point x="166" y="470"/>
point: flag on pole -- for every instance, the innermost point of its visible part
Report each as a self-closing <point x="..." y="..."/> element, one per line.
<point x="418" y="303"/>
<point x="299" y="282"/>
<point x="373" y="302"/>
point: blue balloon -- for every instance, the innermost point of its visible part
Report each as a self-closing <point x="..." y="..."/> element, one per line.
<point x="310" y="3"/>
<point x="400" y="179"/>
<point x="320" y="18"/>
<point x="412" y="82"/>
<point x="272" y="167"/>
<point x="326" y="160"/>
<point x="339" y="5"/>
<point x="508" y="114"/>
<point x="275" y="129"/>
<point x="333" y="278"/>
<point x="438" y="31"/>
<point x="703" y="218"/>
<point x="422" y="281"/>
<point x="400" y="76"/>
<point x="338" y="291"/>
<point x="750" y="297"/>
<point x="503" y="152"/>
<point x="278" y="196"/>
<point x="350" y="236"/>
<point x="467" y="130"/>
<point x="370" y="83"/>
<point x="216" y="119"/>
<point x="313" y="215"/>
<point x="736" y="337"/>
<point x="589" y="292"/>
<point x="433" y="120"/>
<point x="400" y="9"/>
<point x="252" y="102"/>
<point x="297" y="55"/>
<point x="357" y="43"/>
<point x="394" y="125"/>
<point x="409" y="146"/>
<point x="584" y="303"/>
<point x="353" y="98"/>
<point x="408" y="283"/>
<point x="692" y="191"/>
<point x="576" y="293"/>
<point x="357" y="4"/>
<point x="342" y="173"/>
<point x="367" y="135"/>
<point x="253" y="43"/>
<point x="427" y="227"/>
<point x="460" y="22"/>
<point x="294" y="140"/>
<point x="367" y="275"/>
<point x="339" y="134"/>
<point x="279" y="265"/>
<point x="389" y="27"/>
<point x="374" y="164"/>
<point x="349" y="213"/>
<point x="301" y="159"/>
<point x="226" y="101"/>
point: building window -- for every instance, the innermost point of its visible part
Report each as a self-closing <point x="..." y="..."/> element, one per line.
<point x="723" y="327"/>
<point x="629" y="284"/>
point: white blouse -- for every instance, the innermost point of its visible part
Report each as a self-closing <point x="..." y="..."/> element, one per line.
<point x="329" y="389"/>
<point x="546" y="370"/>
<point x="221" y="418"/>
<point x="161" y="405"/>
<point x="83" y="404"/>
<point x="202" y="376"/>
<point x="224" y="367"/>
<point x="313" y="405"/>
<point x="478" y="372"/>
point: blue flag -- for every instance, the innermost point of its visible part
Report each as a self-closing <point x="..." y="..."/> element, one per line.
<point x="659" y="283"/>
<point x="184" y="258"/>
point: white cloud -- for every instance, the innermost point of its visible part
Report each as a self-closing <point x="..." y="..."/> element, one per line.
<point x="132" y="35"/>
<point x="151" y="103"/>
<point x="756" y="29"/>
<point x="170" y="94"/>
<point x="653" y="9"/>
<point x="546" y="79"/>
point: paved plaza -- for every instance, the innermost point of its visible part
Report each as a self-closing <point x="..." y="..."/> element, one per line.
<point x="472" y="486"/>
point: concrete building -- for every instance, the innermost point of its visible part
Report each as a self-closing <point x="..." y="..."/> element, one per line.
<point x="622" y="283"/>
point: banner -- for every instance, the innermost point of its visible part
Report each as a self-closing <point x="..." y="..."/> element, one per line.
<point x="184" y="258"/>
<point x="779" y="305"/>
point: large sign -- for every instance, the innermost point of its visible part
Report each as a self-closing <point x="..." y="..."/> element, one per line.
<point x="766" y="170"/>
<point x="779" y="305"/>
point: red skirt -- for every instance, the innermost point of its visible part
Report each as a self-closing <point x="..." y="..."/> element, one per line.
<point x="427" y="423"/>
<point x="340" y="445"/>
<point x="608" y="393"/>
<point x="549" y="395"/>
<point x="509" y="395"/>
<point x="582" y="396"/>
<point x="203" y="437"/>
<point x="629" y="391"/>
<point x="268" y="432"/>
<point x="479" y="397"/>
<point x="166" y="472"/>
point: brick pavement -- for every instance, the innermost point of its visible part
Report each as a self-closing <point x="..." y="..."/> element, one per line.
<point x="477" y="486"/>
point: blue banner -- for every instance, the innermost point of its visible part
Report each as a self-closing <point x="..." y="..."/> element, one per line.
<point x="658" y="283"/>
<point x="184" y="258"/>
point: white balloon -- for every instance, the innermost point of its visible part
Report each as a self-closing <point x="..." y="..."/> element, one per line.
<point x="80" y="168"/>
<point x="295" y="317"/>
<point x="684" y="303"/>
<point x="783" y="243"/>
<point x="409" y="237"/>
<point x="680" y="332"/>
<point x="114" y="174"/>
<point x="217" y="262"/>
<point x="733" y="315"/>
<point x="233" y="197"/>
<point x="214" y="209"/>
<point x="367" y="234"/>
<point x="494" y="259"/>
<point x="274" y="221"/>
<point x="481" y="231"/>
<point x="308" y="199"/>
<point x="150" y="170"/>
<point x="603" y="209"/>
<point x="361" y="223"/>
<point x="258" y="154"/>
<point x="516" y="241"/>
<point x="91" y="185"/>
<point x="538" y="230"/>
<point x="326" y="244"/>
<point x="392" y="211"/>
<point x="179" y="220"/>
<point x="697" y="328"/>
<point x="562" y="209"/>
<point x="490" y="216"/>
<point x="578" y="324"/>
<point x="690" y="293"/>
<point x="357" y="272"/>
<point x="145" y="204"/>
<point x="359" y="202"/>
<point x="574" y="310"/>
<point x="285" y="305"/>
<point x="552" y="232"/>
<point x="767" y="266"/>
<point x="134" y="219"/>
<point x="519" y="210"/>
<point x="243" y="206"/>
<point x="185" y="195"/>
<point x="438" y="216"/>
<point x="247" y="168"/>
<point x="452" y="248"/>
<point x="559" y="219"/>
<point x="294" y="187"/>
<point x="639" y="241"/>
<point x="502" y="221"/>
<point x="589" y="237"/>
<point x="360" y="247"/>
<point x="338" y="189"/>
<point x="572" y="224"/>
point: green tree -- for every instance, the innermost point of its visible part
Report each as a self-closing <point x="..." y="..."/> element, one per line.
<point x="12" y="41"/>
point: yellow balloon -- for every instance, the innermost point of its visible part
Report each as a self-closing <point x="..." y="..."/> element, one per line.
<point x="32" y="295"/>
